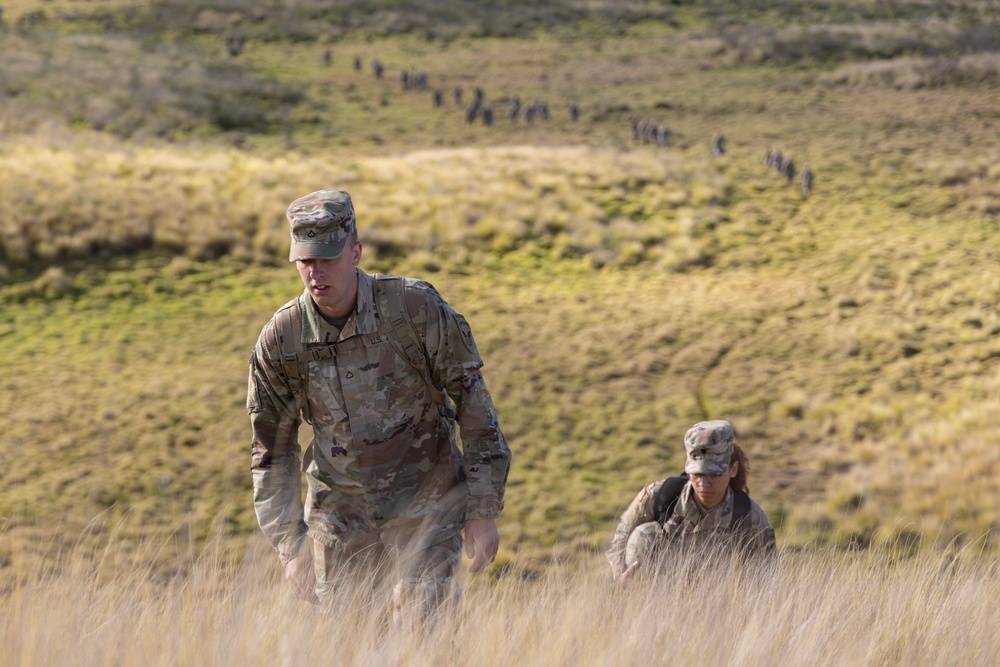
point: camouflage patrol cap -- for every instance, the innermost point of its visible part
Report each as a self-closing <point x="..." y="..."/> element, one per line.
<point x="709" y="447"/>
<point x="321" y="223"/>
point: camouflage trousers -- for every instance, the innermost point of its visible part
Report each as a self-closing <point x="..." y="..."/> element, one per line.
<point x="422" y="579"/>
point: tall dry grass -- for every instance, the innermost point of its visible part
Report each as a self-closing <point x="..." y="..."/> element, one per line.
<point x="914" y="73"/>
<point x="825" y="40"/>
<point x="824" y="608"/>
<point x="63" y="203"/>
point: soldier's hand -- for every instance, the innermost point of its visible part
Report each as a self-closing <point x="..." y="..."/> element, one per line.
<point x="482" y="540"/>
<point x="300" y="574"/>
<point x="628" y="574"/>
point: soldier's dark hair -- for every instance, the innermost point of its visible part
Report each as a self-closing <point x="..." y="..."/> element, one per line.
<point x="739" y="482"/>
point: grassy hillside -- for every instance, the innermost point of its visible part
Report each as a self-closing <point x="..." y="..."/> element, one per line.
<point x="620" y="291"/>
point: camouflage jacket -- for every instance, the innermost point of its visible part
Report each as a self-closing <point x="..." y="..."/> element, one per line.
<point x="383" y="461"/>
<point x="690" y="524"/>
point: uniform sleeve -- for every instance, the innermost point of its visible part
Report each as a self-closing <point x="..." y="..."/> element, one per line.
<point x="455" y="366"/>
<point x="639" y="512"/>
<point x="761" y="534"/>
<point x="275" y="464"/>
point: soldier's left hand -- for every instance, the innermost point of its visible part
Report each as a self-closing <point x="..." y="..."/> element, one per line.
<point x="482" y="540"/>
<point x="628" y="574"/>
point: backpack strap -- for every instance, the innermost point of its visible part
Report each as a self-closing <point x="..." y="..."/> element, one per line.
<point x="390" y="300"/>
<point x="294" y="361"/>
<point x="666" y="497"/>
<point x="741" y="506"/>
<point x="668" y="494"/>
<point x="288" y="327"/>
<point x="741" y="527"/>
<point x="398" y="328"/>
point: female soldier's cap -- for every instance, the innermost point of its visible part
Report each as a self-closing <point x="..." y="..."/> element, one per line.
<point x="709" y="447"/>
<point x="321" y="223"/>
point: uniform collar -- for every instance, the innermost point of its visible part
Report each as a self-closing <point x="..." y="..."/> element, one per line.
<point x="694" y="513"/>
<point x="315" y="329"/>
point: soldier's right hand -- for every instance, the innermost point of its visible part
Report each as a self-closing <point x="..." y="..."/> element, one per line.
<point x="300" y="574"/>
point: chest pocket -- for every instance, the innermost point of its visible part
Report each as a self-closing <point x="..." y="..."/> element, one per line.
<point x="325" y="396"/>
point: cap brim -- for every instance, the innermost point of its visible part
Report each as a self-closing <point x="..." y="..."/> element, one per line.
<point x="315" y="251"/>
<point x="704" y="467"/>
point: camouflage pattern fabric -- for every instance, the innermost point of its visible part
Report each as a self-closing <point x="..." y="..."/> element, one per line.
<point x="383" y="465"/>
<point x="689" y="527"/>
<point x="425" y="577"/>
<point x="320" y="224"/>
<point x="643" y="543"/>
<point x="709" y="448"/>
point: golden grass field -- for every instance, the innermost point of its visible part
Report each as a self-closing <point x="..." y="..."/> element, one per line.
<point x="822" y="608"/>
<point x="618" y="291"/>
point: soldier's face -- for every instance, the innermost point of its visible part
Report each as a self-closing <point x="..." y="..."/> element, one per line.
<point x="711" y="489"/>
<point x="333" y="283"/>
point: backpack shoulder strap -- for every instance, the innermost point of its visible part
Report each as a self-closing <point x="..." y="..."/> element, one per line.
<point x="666" y="497"/>
<point x="741" y="506"/>
<point x="294" y="363"/>
<point x="390" y="300"/>
<point x="288" y="327"/>
<point x="670" y="491"/>
<point x="741" y="525"/>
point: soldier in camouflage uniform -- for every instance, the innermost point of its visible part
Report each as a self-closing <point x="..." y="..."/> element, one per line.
<point x="386" y="480"/>
<point x="703" y="513"/>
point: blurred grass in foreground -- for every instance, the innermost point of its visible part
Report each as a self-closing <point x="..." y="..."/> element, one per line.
<point x="825" y="607"/>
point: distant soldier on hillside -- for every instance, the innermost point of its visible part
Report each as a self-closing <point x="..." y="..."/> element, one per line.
<point x="514" y="110"/>
<point x="235" y="44"/>
<point x="808" y="180"/>
<point x="472" y="111"/>
<point x="789" y="170"/>
<point x="775" y="160"/>
<point x="705" y="508"/>
<point x="662" y="135"/>
<point x="719" y="145"/>
<point x="386" y="372"/>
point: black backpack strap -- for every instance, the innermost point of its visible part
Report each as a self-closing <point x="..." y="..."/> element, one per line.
<point x="670" y="491"/>
<point x="666" y="497"/>
<point x="741" y="526"/>
<point x="741" y="506"/>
